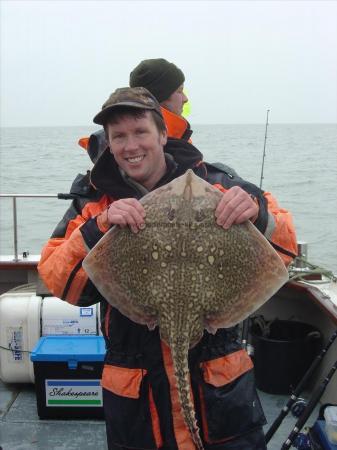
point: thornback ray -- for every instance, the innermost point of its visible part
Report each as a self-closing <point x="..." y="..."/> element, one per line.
<point x="185" y="273"/>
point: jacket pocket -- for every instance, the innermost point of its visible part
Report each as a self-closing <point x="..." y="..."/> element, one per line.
<point x="127" y="408"/>
<point x="122" y="380"/>
<point x="228" y="399"/>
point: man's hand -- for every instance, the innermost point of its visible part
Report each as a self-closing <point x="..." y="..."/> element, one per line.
<point x="236" y="206"/>
<point x="127" y="211"/>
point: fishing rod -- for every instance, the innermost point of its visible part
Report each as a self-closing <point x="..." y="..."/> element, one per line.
<point x="309" y="408"/>
<point x="264" y="149"/>
<point x="294" y="396"/>
<point x="245" y="323"/>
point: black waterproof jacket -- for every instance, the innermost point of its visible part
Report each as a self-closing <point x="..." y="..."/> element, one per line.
<point x="140" y="395"/>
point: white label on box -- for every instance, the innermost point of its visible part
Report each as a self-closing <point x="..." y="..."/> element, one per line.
<point x="86" y="325"/>
<point x="14" y="343"/>
<point x="73" y="393"/>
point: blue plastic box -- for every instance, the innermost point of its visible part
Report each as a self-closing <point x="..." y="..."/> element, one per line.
<point x="67" y="373"/>
<point x="319" y="428"/>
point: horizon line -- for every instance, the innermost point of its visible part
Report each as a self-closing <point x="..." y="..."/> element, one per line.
<point x="194" y="124"/>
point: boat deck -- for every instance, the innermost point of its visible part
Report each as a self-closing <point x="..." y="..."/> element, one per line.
<point x="21" y="428"/>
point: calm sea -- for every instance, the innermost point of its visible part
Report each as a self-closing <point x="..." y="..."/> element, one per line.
<point x="300" y="170"/>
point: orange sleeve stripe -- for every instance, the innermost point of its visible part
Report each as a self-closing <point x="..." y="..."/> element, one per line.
<point x="220" y="187"/>
<point x="89" y="211"/>
<point x="284" y="234"/>
<point x="55" y="275"/>
<point x="72" y="225"/>
<point x="92" y="209"/>
<point x="181" y="432"/>
<point x="76" y="287"/>
<point x="60" y="256"/>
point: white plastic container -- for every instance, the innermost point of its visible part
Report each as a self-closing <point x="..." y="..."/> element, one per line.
<point x="330" y="415"/>
<point x="19" y="332"/>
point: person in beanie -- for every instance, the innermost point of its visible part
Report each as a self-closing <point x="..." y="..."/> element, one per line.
<point x="166" y="82"/>
<point x="161" y="78"/>
<point x="140" y="395"/>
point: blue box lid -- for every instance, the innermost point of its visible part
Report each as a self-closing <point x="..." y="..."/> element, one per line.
<point x="319" y="428"/>
<point x="65" y="348"/>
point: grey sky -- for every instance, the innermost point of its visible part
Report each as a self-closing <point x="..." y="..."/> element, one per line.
<point x="61" y="59"/>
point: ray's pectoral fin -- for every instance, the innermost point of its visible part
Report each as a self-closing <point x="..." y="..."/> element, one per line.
<point x="143" y="315"/>
<point x="106" y="278"/>
<point x="264" y="276"/>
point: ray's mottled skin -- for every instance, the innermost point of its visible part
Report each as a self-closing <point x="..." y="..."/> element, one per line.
<point x="184" y="273"/>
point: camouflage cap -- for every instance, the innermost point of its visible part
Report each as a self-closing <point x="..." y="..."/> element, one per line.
<point x="137" y="97"/>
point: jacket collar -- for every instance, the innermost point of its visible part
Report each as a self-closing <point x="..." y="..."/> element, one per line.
<point x="107" y="177"/>
<point x="177" y="126"/>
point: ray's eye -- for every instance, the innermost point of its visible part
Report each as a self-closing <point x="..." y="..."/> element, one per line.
<point x="171" y="214"/>
<point x="200" y="215"/>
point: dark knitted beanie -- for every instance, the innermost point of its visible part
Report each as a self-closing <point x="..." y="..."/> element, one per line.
<point x="158" y="76"/>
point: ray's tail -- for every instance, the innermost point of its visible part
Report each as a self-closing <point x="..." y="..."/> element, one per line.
<point x="179" y="349"/>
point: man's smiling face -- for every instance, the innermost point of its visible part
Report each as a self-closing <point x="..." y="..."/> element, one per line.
<point x="137" y="146"/>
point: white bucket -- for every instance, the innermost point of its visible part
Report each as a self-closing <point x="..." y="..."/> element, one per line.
<point x="19" y="332"/>
<point x="24" y="318"/>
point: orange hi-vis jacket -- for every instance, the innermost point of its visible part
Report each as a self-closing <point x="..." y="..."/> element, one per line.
<point x="140" y="395"/>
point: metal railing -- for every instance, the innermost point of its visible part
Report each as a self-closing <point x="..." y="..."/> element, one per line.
<point x="14" y="207"/>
